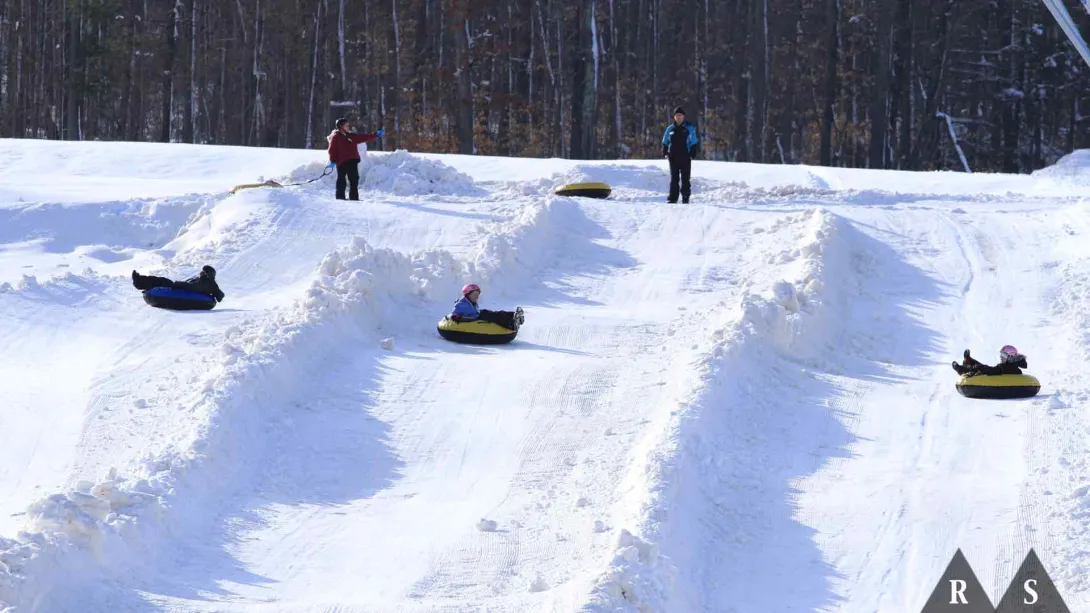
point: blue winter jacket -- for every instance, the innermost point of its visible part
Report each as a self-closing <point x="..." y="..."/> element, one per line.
<point x="690" y="141"/>
<point x="465" y="310"/>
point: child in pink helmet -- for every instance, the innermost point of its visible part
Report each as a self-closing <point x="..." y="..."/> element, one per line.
<point x="1010" y="363"/>
<point x="466" y="309"/>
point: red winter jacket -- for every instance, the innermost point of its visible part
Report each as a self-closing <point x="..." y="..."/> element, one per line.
<point x="342" y="147"/>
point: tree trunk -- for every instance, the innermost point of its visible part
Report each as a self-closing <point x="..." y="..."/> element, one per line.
<point x="308" y="140"/>
<point x="128" y="127"/>
<point x="396" y="85"/>
<point x="72" y="87"/>
<point x="342" y="84"/>
<point x="616" y="50"/>
<point x="464" y="69"/>
<point x="742" y="88"/>
<point x="907" y="62"/>
<point x="879" y="106"/>
<point x="168" y="77"/>
<point x="759" y="110"/>
<point x="585" y="84"/>
<point x="927" y="141"/>
<point x="189" y="120"/>
<point x="832" y="53"/>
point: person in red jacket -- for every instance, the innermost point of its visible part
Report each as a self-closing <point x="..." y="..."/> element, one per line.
<point x="346" y="157"/>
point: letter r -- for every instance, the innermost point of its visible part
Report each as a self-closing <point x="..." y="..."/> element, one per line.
<point x="957" y="590"/>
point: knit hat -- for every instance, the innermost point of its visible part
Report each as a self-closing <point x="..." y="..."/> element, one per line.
<point x="679" y="110"/>
<point x="341" y="122"/>
<point x="208" y="270"/>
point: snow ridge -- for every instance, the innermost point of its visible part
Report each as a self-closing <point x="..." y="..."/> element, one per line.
<point x="1069" y="462"/>
<point x="792" y="318"/>
<point x="98" y="525"/>
<point x="403" y="174"/>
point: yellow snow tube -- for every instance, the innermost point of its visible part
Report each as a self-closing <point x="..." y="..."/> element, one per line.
<point x="585" y="190"/>
<point x="475" y="332"/>
<point x="269" y="183"/>
<point x="998" y="386"/>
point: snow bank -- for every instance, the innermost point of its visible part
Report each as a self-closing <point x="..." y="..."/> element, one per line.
<point x="727" y="185"/>
<point x="1069" y="464"/>
<point x="692" y="473"/>
<point x="1073" y="168"/>
<point x="512" y="248"/>
<point x="403" y="174"/>
<point x="69" y="289"/>
<point x="121" y="226"/>
<point x="72" y="537"/>
<point x="645" y="178"/>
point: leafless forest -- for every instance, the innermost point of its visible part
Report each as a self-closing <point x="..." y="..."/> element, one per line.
<point x="859" y="83"/>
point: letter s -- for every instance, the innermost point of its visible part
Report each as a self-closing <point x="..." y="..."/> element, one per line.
<point x="1029" y="590"/>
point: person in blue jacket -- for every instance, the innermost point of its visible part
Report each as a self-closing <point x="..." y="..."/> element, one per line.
<point x="466" y="309"/>
<point x="680" y="146"/>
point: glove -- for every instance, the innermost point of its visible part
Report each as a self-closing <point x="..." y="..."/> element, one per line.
<point x="380" y="132"/>
<point x="331" y="165"/>
<point x="966" y="354"/>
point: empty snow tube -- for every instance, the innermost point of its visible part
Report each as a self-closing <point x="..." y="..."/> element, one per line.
<point x="475" y="332"/>
<point x="269" y="183"/>
<point x="178" y="300"/>
<point x="585" y="190"/>
<point x="998" y="386"/>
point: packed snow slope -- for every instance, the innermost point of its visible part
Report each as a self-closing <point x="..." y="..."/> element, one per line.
<point x="740" y="404"/>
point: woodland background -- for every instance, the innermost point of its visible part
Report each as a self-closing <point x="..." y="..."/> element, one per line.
<point x="860" y="83"/>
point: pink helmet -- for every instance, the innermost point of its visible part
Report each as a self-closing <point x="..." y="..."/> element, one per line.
<point x="1007" y="353"/>
<point x="470" y="287"/>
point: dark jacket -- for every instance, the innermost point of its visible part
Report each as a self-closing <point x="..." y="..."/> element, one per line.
<point x="970" y="366"/>
<point x="342" y="147"/>
<point x="201" y="285"/>
<point x="680" y="141"/>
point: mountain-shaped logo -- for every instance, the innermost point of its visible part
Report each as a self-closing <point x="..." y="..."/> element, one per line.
<point x="1031" y="590"/>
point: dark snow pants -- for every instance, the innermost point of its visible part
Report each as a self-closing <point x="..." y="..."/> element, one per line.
<point x="680" y="167"/>
<point x="500" y="318"/>
<point x="143" y="282"/>
<point x="348" y="172"/>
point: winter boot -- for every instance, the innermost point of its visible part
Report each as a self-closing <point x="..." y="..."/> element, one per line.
<point x="519" y="317"/>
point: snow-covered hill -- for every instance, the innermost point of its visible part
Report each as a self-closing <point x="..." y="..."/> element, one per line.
<point x="741" y="404"/>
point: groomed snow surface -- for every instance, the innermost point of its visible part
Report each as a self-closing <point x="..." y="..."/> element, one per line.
<point x="741" y="404"/>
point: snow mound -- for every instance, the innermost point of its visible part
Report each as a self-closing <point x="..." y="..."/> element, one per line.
<point x="639" y="579"/>
<point x="620" y="177"/>
<point x="69" y="289"/>
<point x="644" y="178"/>
<point x="107" y="231"/>
<point x="403" y="174"/>
<point x="217" y="229"/>
<point x="514" y="247"/>
<point x="358" y="285"/>
<point x="652" y="573"/>
<point x="1072" y="168"/>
